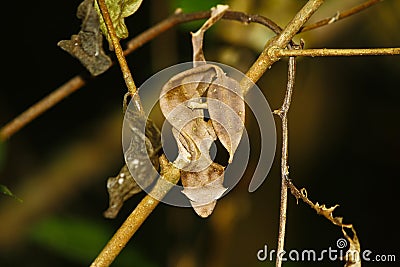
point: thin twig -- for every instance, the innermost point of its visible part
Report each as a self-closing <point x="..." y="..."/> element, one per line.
<point x="168" y="23"/>
<point x="340" y="15"/>
<point x="117" y="48"/>
<point x="282" y="112"/>
<point x="325" y="52"/>
<point x="40" y="107"/>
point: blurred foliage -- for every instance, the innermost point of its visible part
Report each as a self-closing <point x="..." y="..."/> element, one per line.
<point x="193" y="6"/>
<point x="2" y="154"/>
<point x="4" y="190"/>
<point x="80" y="240"/>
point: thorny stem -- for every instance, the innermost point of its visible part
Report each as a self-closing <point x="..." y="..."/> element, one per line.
<point x="77" y="82"/>
<point x="302" y="194"/>
<point x="117" y="48"/>
<point x="282" y="112"/>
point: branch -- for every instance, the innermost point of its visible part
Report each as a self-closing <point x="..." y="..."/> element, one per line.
<point x="40" y="107"/>
<point x="282" y="112"/>
<point x="117" y="48"/>
<point x="169" y="176"/>
<point x="340" y="15"/>
<point x="324" y="52"/>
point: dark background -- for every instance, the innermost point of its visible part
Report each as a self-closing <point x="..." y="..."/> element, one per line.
<point x="343" y="141"/>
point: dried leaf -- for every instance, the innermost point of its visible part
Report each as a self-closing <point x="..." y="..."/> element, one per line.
<point x="87" y="45"/>
<point x="118" y="10"/>
<point x="120" y="188"/>
<point x="328" y="213"/>
<point x="142" y="146"/>
<point x="354" y="250"/>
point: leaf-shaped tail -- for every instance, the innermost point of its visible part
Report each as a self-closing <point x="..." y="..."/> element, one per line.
<point x="204" y="188"/>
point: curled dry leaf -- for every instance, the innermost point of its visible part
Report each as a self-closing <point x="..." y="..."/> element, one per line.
<point x="142" y="146"/>
<point x="87" y="45"/>
<point x="120" y="188"/>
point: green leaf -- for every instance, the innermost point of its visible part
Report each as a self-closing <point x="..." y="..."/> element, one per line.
<point x="80" y="240"/>
<point x="4" y="189"/>
<point x="118" y="10"/>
